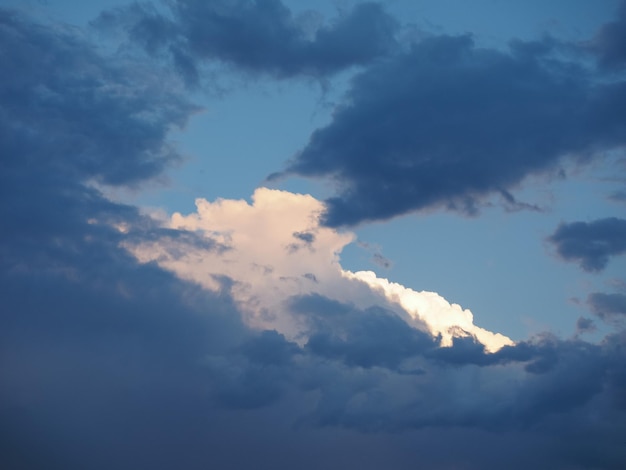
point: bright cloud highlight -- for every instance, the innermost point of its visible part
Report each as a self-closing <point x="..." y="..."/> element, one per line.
<point x="441" y="317"/>
<point x="275" y="249"/>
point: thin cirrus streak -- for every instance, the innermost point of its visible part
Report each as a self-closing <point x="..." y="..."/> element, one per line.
<point x="275" y="249"/>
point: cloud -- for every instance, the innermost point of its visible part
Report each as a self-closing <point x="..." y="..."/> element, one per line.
<point x="69" y="110"/>
<point x="267" y="258"/>
<point x="608" y="43"/>
<point x="608" y="307"/>
<point x="93" y="344"/>
<point x="573" y="380"/>
<point x="369" y="350"/>
<point x="618" y="196"/>
<point x="377" y="257"/>
<point x="363" y="338"/>
<point x="107" y="362"/>
<point x="277" y="249"/>
<point x="447" y="124"/>
<point x="590" y="244"/>
<point x="441" y="317"/>
<point x="259" y="36"/>
<point x="584" y="325"/>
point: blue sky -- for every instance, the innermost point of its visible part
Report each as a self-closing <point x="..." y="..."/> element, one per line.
<point x="359" y="225"/>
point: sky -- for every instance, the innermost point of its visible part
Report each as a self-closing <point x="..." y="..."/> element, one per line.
<point x="286" y="234"/>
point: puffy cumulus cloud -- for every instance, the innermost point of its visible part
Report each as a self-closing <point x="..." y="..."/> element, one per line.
<point x="442" y="318"/>
<point x="256" y="35"/>
<point x="590" y="244"/>
<point x="276" y="249"/>
<point x="446" y="124"/>
<point x="272" y="249"/>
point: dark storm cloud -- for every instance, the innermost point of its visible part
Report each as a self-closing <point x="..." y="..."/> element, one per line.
<point x="570" y="382"/>
<point x="70" y="111"/>
<point x="464" y="351"/>
<point x="538" y="355"/>
<point x="608" y="307"/>
<point x="610" y="42"/>
<point x="254" y="374"/>
<point x="96" y="352"/>
<point x="591" y="244"/>
<point x="256" y="35"/>
<point x="363" y="338"/>
<point x="70" y="116"/>
<point x="554" y="377"/>
<point x="446" y="124"/>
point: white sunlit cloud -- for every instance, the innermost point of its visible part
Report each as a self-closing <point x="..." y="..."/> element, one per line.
<point x="275" y="248"/>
